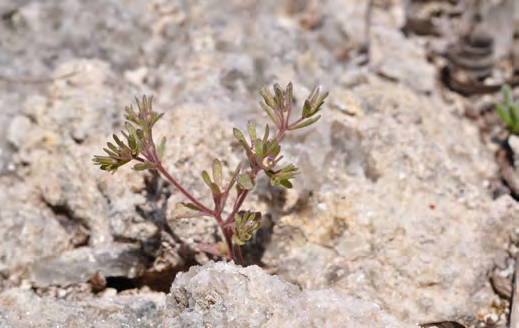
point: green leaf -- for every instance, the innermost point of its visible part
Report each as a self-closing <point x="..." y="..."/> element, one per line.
<point x="266" y="135"/>
<point x="285" y="183"/>
<point x="144" y="166"/>
<point x="162" y="146"/>
<point x="273" y="148"/>
<point x="245" y="182"/>
<point x="503" y="115"/>
<point x="140" y="134"/>
<point x="252" y="130"/>
<point x="278" y="97"/>
<point x="217" y="172"/>
<point x="206" y="178"/>
<point x="289" y="95"/>
<point x="313" y="95"/>
<point x="131" y="140"/>
<point x="514" y="108"/>
<point x="270" y="113"/>
<point x="507" y="94"/>
<point x="246" y="223"/>
<point x="511" y="113"/>
<point x="112" y="147"/>
<point x="112" y="154"/>
<point x="239" y="135"/>
<point x="156" y="118"/>
<point x="258" y="143"/>
<point x="306" y="123"/>
<point x="267" y="96"/>
<point x="192" y="206"/>
<point x="320" y="101"/>
<point x="186" y="210"/>
<point x="118" y="141"/>
<point x="307" y="109"/>
<point x="138" y="148"/>
<point x="215" y="189"/>
<point x="131" y="129"/>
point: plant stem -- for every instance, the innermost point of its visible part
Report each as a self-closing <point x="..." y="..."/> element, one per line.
<point x="227" y="232"/>
<point x="240" y="257"/>
<point x="237" y="205"/>
<point x="183" y="191"/>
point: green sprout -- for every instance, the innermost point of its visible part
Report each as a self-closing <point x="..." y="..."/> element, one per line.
<point x="508" y="111"/>
<point x="262" y="152"/>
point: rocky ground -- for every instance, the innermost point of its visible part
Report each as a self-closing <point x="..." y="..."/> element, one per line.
<point x="401" y="215"/>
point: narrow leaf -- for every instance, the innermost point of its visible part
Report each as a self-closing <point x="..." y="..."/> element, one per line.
<point x="267" y="96"/>
<point x="186" y="210"/>
<point x="239" y="135"/>
<point x="289" y="95"/>
<point x="258" y="143"/>
<point x="245" y="181"/>
<point x="144" y="166"/>
<point x="270" y="113"/>
<point x="112" y="154"/>
<point x="507" y="94"/>
<point x="307" y="109"/>
<point x="306" y="123"/>
<point x="206" y="178"/>
<point x="314" y="94"/>
<point x="503" y="115"/>
<point x="285" y="183"/>
<point x="162" y="146"/>
<point x="192" y="206"/>
<point x="217" y="172"/>
<point x="252" y="130"/>
<point x="279" y="97"/>
<point x="158" y="117"/>
<point x="131" y="129"/>
<point x="112" y="147"/>
<point x="215" y="189"/>
<point x="118" y="141"/>
<point x="266" y="135"/>
<point x="514" y="108"/>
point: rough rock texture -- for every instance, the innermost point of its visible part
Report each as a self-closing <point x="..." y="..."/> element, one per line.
<point x="22" y="308"/>
<point x="225" y="295"/>
<point x="115" y="260"/>
<point x="403" y="213"/>
<point x="394" y="204"/>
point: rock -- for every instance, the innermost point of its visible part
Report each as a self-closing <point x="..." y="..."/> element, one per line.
<point x="513" y="142"/>
<point x="81" y="264"/>
<point x="392" y="206"/>
<point x="225" y="295"/>
<point x="28" y="231"/>
<point x="397" y="58"/>
<point x="399" y="210"/>
<point x="21" y="308"/>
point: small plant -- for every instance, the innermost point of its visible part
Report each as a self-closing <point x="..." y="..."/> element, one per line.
<point x="263" y="155"/>
<point x="508" y="111"/>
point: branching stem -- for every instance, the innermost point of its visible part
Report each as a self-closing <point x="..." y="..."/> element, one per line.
<point x="184" y="192"/>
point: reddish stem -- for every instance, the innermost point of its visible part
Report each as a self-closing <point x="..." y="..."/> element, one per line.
<point x="240" y="257"/>
<point x="237" y="205"/>
<point x="183" y="191"/>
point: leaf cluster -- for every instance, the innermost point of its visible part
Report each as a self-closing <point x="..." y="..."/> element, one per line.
<point x="138" y="144"/>
<point x="508" y="111"/>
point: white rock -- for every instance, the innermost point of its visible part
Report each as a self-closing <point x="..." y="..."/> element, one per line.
<point x="225" y="295"/>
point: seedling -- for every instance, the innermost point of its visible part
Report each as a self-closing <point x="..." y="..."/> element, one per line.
<point x="508" y="111"/>
<point x="263" y="155"/>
